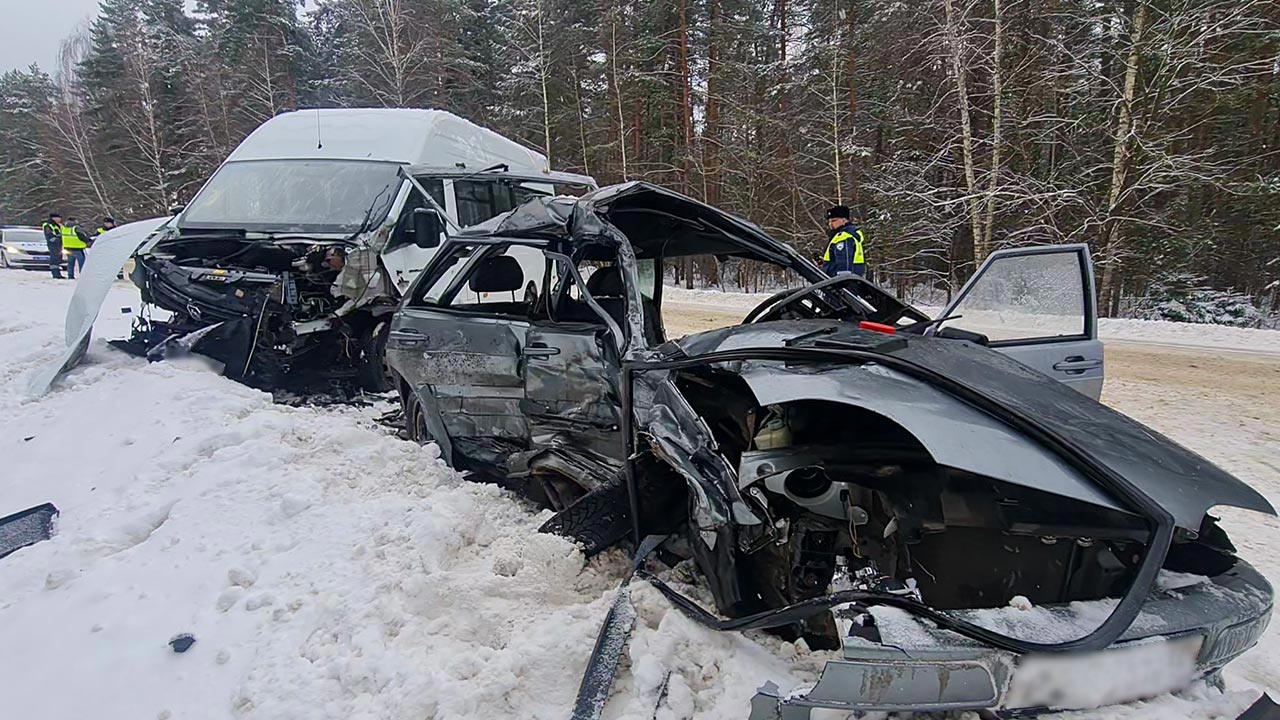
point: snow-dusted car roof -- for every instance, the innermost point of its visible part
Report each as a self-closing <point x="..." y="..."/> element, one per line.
<point x="22" y="234"/>
<point x="411" y="137"/>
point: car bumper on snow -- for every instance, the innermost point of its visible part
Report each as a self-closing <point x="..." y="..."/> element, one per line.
<point x="1182" y="634"/>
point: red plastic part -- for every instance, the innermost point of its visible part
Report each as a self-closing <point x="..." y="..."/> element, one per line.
<point x="877" y="327"/>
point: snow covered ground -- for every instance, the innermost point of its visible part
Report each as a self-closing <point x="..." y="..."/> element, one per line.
<point x="328" y="569"/>
<point x="1160" y="332"/>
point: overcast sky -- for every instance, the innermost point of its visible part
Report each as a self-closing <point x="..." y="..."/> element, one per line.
<point x="31" y="30"/>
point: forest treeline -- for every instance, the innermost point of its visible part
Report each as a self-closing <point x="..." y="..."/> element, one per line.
<point x="1149" y="129"/>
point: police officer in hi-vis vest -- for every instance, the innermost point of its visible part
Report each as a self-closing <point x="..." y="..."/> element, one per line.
<point x="108" y="223"/>
<point x="844" y="250"/>
<point x="74" y="242"/>
<point x="53" y="241"/>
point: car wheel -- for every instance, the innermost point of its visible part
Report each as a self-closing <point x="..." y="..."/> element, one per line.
<point x="4" y="260"/>
<point x="596" y="521"/>
<point x="415" y="422"/>
<point x="371" y="366"/>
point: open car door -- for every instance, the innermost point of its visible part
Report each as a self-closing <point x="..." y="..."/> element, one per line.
<point x="1037" y="305"/>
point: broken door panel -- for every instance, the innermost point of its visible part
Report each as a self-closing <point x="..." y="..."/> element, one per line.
<point x="473" y="365"/>
<point x="571" y="393"/>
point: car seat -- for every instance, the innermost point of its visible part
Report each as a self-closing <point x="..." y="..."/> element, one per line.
<point x="605" y="285"/>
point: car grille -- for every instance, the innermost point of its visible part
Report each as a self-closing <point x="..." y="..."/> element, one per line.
<point x="172" y="297"/>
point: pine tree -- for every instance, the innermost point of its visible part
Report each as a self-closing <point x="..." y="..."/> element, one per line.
<point x="27" y="180"/>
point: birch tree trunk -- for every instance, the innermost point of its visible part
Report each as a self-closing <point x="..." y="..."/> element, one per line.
<point x="835" y="116"/>
<point x="390" y="53"/>
<point x="543" y="70"/>
<point x="582" y="121"/>
<point x="686" y="102"/>
<point x="1112" y="250"/>
<point x="983" y="248"/>
<point x="966" y="126"/>
<point x="617" y="88"/>
<point x="711" y="135"/>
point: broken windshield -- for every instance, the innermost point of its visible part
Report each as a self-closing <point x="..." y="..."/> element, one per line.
<point x="295" y="196"/>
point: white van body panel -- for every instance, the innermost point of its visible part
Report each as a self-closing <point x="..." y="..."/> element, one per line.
<point x="410" y="137"/>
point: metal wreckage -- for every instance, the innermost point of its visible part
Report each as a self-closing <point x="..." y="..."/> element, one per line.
<point x="287" y="264"/>
<point x="839" y="467"/>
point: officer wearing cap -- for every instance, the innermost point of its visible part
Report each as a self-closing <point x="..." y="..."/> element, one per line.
<point x="53" y="240"/>
<point x="844" y="250"/>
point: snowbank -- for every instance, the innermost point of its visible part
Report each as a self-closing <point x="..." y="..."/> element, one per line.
<point x="1211" y="337"/>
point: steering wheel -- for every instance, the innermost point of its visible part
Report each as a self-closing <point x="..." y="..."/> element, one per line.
<point x="808" y="302"/>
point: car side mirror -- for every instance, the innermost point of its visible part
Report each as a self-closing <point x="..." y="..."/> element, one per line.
<point x="426" y="228"/>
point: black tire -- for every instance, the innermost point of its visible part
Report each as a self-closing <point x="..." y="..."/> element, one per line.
<point x="596" y="521"/>
<point x="415" y="422"/>
<point x="371" y="367"/>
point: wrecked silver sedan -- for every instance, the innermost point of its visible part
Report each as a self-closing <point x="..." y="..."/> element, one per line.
<point x="962" y="529"/>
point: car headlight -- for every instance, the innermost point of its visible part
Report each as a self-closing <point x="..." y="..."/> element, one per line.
<point x="15" y="250"/>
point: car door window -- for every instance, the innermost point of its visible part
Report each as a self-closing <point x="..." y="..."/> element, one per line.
<point x="503" y="280"/>
<point x="479" y="200"/>
<point x="1030" y="297"/>
<point x="444" y="273"/>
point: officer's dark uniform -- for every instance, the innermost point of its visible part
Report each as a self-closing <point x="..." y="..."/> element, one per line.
<point x="53" y="241"/>
<point x="844" y="250"/>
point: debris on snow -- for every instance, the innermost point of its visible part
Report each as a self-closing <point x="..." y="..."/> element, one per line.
<point x="182" y="642"/>
<point x="27" y="527"/>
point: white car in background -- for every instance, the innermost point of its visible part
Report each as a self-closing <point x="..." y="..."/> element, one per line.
<point x="23" y="247"/>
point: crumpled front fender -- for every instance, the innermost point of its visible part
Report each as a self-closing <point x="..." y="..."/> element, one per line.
<point x="682" y="439"/>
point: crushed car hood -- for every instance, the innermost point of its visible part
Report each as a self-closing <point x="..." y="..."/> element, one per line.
<point x="1185" y="484"/>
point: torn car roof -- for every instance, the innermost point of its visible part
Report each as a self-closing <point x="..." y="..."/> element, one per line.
<point x="656" y="221"/>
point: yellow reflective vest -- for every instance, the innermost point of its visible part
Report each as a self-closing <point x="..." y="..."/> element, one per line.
<point x="838" y="257"/>
<point x="71" y="239"/>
